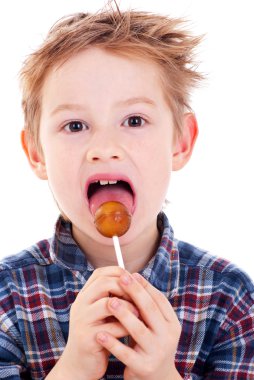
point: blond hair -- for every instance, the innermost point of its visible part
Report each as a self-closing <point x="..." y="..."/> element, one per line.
<point x="157" y="38"/>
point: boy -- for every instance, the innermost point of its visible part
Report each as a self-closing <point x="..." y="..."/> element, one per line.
<point x="107" y="117"/>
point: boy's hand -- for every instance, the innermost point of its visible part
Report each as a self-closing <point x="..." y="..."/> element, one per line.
<point x="155" y="336"/>
<point x="84" y="357"/>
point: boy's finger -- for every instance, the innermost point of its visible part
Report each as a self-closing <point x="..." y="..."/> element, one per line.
<point x="116" y="329"/>
<point x="122" y="352"/>
<point x="101" y="287"/>
<point x="99" y="310"/>
<point x="149" y="311"/>
<point x="111" y="271"/>
<point x="162" y="302"/>
<point x="153" y="309"/>
<point x="135" y="327"/>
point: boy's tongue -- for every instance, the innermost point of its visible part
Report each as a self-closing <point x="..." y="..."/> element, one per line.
<point x="108" y="193"/>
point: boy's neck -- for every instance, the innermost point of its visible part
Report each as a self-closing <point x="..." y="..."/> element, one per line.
<point x="135" y="255"/>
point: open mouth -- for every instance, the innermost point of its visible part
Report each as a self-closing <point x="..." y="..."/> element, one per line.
<point x="101" y="191"/>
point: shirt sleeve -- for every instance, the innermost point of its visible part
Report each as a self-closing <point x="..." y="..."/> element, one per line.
<point x="233" y="354"/>
<point x="11" y="359"/>
<point x="222" y="345"/>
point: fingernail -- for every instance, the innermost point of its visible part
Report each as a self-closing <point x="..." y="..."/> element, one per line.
<point x="115" y="303"/>
<point x="138" y="277"/>
<point x="126" y="279"/>
<point x="102" y="337"/>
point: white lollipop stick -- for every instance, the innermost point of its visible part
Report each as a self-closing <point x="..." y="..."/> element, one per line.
<point x="119" y="255"/>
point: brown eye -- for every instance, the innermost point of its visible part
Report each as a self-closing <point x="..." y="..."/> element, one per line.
<point x="134" y="121"/>
<point x="75" y="126"/>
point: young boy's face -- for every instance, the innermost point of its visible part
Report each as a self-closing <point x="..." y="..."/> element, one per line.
<point x="104" y="117"/>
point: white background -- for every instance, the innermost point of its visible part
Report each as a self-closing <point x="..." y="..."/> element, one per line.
<point x="212" y="198"/>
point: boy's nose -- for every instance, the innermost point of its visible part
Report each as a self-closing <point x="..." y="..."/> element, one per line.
<point x="104" y="151"/>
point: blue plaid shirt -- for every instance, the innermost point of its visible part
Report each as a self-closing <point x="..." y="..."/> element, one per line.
<point x="212" y="298"/>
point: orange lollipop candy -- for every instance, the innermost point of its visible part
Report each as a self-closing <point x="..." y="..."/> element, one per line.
<point x="112" y="219"/>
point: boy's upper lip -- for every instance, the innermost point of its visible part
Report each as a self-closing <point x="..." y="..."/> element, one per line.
<point x="109" y="177"/>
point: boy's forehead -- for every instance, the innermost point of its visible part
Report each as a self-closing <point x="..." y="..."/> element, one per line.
<point x="98" y="73"/>
<point x="99" y="60"/>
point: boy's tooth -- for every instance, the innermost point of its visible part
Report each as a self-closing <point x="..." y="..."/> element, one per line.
<point x="105" y="182"/>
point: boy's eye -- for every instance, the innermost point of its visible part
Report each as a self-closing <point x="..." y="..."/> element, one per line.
<point x="75" y="126"/>
<point x="134" y="121"/>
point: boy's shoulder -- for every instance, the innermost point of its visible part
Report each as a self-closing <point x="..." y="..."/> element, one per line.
<point x="37" y="254"/>
<point x="215" y="268"/>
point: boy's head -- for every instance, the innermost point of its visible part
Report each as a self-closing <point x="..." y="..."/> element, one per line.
<point x="103" y="98"/>
<point x="136" y="35"/>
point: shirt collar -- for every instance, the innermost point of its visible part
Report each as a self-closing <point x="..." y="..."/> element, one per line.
<point x="162" y="271"/>
<point x="65" y="252"/>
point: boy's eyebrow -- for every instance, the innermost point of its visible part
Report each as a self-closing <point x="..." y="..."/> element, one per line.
<point x="67" y="106"/>
<point x="135" y="100"/>
<point x="126" y="102"/>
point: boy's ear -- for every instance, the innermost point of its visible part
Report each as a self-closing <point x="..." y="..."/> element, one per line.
<point x="35" y="158"/>
<point x="184" y="142"/>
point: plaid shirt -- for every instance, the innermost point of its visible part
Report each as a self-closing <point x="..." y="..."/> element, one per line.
<point x="212" y="298"/>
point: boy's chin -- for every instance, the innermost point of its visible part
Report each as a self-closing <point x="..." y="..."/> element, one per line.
<point x="108" y="241"/>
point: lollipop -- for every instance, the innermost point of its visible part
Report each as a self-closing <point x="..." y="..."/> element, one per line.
<point x="112" y="219"/>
